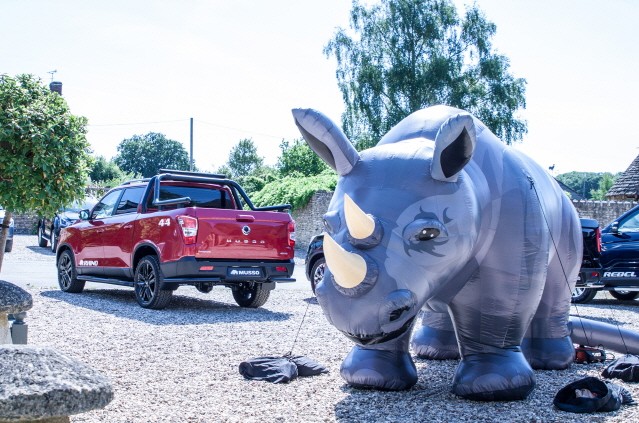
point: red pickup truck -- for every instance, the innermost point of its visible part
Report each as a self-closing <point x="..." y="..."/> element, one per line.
<point x="179" y="228"/>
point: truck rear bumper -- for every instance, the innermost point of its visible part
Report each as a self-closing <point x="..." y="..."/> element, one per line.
<point x="192" y="271"/>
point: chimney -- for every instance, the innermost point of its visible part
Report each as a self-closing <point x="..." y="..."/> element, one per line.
<point x="56" y="86"/>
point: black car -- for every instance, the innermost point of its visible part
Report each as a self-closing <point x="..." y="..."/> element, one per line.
<point x="615" y="260"/>
<point x="8" y="246"/>
<point x="315" y="262"/>
<point x="49" y="228"/>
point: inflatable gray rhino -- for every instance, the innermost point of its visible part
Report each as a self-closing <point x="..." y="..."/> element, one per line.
<point x="441" y="216"/>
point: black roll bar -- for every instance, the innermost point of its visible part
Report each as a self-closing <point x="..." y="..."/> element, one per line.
<point x="210" y="178"/>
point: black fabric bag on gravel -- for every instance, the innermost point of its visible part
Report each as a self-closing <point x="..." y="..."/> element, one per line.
<point x="280" y="369"/>
<point x="590" y="394"/>
<point x="625" y="368"/>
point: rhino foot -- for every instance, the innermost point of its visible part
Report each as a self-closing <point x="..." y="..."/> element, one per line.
<point x="549" y="354"/>
<point x="501" y="376"/>
<point x="379" y="369"/>
<point x="435" y="344"/>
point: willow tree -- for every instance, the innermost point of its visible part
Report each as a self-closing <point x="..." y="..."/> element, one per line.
<point x="403" y="55"/>
<point x="45" y="153"/>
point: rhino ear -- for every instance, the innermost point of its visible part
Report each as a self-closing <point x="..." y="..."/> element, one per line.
<point x="454" y="145"/>
<point x="326" y="139"/>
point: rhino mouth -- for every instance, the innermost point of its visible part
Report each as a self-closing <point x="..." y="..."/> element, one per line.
<point x="380" y="337"/>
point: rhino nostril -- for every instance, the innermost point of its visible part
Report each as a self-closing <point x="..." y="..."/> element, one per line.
<point x="397" y="313"/>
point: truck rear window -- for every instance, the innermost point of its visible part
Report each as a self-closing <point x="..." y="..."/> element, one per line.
<point x="200" y="197"/>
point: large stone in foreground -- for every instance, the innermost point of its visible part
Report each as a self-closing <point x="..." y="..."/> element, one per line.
<point x="37" y="382"/>
<point x="14" y="299"/>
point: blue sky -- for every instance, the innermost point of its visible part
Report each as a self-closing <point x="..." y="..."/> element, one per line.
<point x="238" y="67"/>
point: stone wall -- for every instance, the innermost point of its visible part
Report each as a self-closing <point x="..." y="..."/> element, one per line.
<point x="308" y="220"/>
<point x="25" y="224"/>
<point x="604" y="211"/>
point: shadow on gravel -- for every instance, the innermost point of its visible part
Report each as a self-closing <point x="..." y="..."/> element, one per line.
<point x="45" y="251"/>
<point x="181" y="310"/>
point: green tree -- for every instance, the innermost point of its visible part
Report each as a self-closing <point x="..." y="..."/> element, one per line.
<point x="243" y="158"/>
<point x="583" y="183"/>
<point x="299" y="158"/>
<point x="606" y="182"/>
<point x="146" y="154"/>
<point x="104" y="170"/>
<point x="404" y="55"/>
<point x="45" y="153"/>
<point x="257" y="180"/>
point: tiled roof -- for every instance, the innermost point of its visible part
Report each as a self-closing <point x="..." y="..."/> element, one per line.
<point x="626" y="185"/>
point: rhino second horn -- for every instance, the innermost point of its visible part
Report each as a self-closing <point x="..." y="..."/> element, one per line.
<point x="348" y="269"/>
<point x="360" y="225"/>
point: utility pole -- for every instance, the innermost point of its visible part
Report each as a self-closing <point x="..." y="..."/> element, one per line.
<point x="191" y="169"/>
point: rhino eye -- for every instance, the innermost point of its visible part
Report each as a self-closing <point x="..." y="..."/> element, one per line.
<point x="424" y="230"/>
<point x="426" y="234"/>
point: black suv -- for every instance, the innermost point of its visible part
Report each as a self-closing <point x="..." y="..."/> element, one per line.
<point x="611" y="259"/>
<point x="315" y="262"/>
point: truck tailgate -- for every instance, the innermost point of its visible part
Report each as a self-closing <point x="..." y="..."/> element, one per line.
<point x="243" y="234"/>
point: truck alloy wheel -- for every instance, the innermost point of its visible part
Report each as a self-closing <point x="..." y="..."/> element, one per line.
<point x="148" y="282"/>
<point x="67" y="274"/>
<point x="582" y="295"/>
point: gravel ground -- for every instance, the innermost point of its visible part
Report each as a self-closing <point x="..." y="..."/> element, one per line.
<point x="181" y="364"/>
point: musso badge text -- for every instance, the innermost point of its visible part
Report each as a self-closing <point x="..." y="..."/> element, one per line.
<point x="619" y="275"/>
<point x="88" y="262"/>
<point x="236" y="272"/>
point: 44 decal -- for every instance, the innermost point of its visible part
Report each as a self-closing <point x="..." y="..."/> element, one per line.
<point x="165" y="222"/>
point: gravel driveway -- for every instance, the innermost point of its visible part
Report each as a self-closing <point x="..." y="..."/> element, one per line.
<point x="181" y="364"/>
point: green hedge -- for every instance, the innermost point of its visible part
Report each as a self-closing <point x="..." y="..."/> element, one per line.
<point x="294" y="190"/>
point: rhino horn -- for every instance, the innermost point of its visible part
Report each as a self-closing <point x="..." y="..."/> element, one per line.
<point x="327" y="140"/>
<point x="348" y="269"/>
<point x="360" y="225"/>
<point x="454" y="146"/>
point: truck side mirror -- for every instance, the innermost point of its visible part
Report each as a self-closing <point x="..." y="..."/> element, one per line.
<point x="614" y="228"/>
<point x="84" y="214"/>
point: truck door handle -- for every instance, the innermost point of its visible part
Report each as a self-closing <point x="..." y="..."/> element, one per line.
<point x="245" y="218"/>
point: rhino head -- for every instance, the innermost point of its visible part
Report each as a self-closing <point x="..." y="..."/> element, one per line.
<point x="402" y="224"/>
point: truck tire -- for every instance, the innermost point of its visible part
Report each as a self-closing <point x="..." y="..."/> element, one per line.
<point x="41" y="241"/>
<point x="624" y="295"/>
<point x="148" y="281"/>
<point x="54" y="241"/>
<point x="317" y="272"/>
<point x="251" y="295"/>
<point x="67" y="274"/>
<point x="582" y="295"/>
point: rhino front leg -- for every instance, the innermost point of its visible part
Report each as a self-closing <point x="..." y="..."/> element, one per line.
<point x="493" y="366"/>
<point x="435" y="339"/>
<point x="386" y="366"/>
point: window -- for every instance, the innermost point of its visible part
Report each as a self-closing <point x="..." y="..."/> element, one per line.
<point x="200" y="197"/>
<point x="130" y="199"/>
<point x="106" y="206"/>
<point x="631" y="224"/>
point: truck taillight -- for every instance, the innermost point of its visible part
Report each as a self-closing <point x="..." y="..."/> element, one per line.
<point x="291" y="234"/>
<point x="598" y="237"/>
<point x="189" y="228"/>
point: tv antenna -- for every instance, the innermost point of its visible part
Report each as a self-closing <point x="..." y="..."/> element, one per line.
<point x="52" y="73"/>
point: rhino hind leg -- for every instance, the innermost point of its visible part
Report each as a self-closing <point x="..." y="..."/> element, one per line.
<point x="435" y="339"/>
